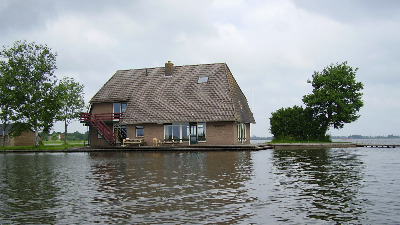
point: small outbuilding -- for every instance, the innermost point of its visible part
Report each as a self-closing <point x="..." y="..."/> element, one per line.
<point x="27" y="138"/>
<point x="179" y="105"/>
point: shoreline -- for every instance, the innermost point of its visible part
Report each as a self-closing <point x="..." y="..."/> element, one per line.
<point x="284" y="146"/>
<point x="251" y="147"/>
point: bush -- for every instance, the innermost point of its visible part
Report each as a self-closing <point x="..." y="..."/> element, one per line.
<point x="296" y="124"/>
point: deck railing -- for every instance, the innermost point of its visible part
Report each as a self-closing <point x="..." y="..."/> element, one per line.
<point x="97" y="122"/>
<point x="106" y="116"/>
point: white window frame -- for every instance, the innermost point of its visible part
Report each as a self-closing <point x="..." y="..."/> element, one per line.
<point x="139" y="128"/>
<point x="182" y="126"/>
<point x="241" y="132"/>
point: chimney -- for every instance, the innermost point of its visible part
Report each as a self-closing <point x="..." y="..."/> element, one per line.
<point x="169" y="69"/>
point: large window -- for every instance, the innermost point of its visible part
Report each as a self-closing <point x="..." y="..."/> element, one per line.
<point x="176" y="131"/>
<point x="180" y="131"/>
<point x="172" y="131"/>
<point x="241" y="129"/>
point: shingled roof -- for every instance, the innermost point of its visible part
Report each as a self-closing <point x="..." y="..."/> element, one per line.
<point x="153" y="97"/>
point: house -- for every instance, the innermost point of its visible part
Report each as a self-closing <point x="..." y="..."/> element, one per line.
<point x="180" y="105"/>
<point x="25" y="139"/>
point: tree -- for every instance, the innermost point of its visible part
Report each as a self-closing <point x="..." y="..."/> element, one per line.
<point x="296" y="124"/>
<point x="336" y="97"/>
<point x="29" y="68"/>
<point x="6" y="99"/>
<point x="336" y="100"/>
<point x="70" y="97"/>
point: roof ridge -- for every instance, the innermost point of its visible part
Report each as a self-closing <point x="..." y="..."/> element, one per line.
<point x="157" y="67"/>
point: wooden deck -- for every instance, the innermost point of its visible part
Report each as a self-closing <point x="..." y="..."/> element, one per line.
<point x="377" y="146"/>
<point x="251" y="147"/>
<point x="312" y="145"/>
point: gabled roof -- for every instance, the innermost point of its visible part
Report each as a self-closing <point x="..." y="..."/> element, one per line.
<point x="153" y="97"/>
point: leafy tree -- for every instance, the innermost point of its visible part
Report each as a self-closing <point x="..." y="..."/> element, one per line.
<point x="54" y="136"/>
<point x="70" y="95"/>
<point x="29" y="68"/>
<point x="336" y="100"/>
<point x="296" y="124"/>
<point x="336" y="97"/>
<point x="6" y="99"/>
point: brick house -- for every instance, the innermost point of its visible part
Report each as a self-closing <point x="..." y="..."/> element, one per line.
<point x="185" y="105"/>
<point x="25" y="139"/>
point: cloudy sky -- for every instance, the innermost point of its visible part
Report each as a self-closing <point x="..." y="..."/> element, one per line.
<point x="271" y="47"/>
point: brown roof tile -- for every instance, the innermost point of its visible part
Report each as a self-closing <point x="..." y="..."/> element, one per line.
<point x="154" y="98"/>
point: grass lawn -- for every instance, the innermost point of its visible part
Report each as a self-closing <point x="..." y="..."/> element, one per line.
<point x="47" y="146"/>
<point x="62" y="142"/>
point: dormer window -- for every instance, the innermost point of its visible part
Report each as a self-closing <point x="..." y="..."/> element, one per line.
<point x="119" y="107"/>
<point x="202" y="79"/>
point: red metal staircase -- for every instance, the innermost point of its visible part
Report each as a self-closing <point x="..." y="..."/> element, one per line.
<point x="96" y="122"/>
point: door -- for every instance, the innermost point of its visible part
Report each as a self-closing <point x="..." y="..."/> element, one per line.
<point x="193" y="134"/>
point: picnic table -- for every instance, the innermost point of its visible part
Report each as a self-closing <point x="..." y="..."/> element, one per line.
<point x="133" y="142"/>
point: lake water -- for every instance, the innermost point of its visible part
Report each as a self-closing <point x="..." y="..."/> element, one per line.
<point x="320" y="186"/>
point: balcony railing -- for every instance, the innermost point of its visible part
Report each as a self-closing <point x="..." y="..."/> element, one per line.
<point x="84" y="117"/>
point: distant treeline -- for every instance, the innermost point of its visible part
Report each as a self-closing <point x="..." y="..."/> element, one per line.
<point x="75" y="136"/>
<point x="356" y="136"/>
<point x="260" y="138"/>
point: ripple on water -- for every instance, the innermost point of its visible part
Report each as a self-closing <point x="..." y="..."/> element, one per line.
<point x="291" y="187"/>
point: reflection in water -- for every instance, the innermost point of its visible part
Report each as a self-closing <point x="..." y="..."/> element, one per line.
<point x="316" y="186"/>
<point x="324" y="183"/>
<point x="23" y="183"/>
<point x="172" y="187"/>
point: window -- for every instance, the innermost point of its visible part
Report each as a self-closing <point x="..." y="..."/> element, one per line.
<point x="119" y="107"/>
<point x="120" y="132"/>
<point x="123" y="107"/>
<point x="203" y="79"/>
<point x="172" y="131"/>
<point x="168" y="132"/>
<point x="241" y="129"/>
<point x="201" y="131"/>
<point x="185" y="131"/>
<point x="139" y="131"/>
<point x="176" y="131"/>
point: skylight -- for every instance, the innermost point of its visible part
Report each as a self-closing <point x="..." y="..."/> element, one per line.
<point x="202" y="79"/>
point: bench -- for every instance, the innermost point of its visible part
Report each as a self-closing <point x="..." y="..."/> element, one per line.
<point x="133" y="142"/>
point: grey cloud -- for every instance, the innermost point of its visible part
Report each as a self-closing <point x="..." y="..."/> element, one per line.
<point x="25" y="15"/>
<point x="354" y="10"/>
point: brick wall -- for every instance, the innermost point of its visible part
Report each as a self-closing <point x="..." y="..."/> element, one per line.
<point x="25" y="139"/>
<point x="95" y="141"/>
<point x="98" y="108"/>
<point x="224" y="133"/>
<point x="151" y="131"/>
<point x="220" y="133"/>
<point x="217" y="133"/>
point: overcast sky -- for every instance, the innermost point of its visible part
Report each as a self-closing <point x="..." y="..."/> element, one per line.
<point x="271" y="47"/>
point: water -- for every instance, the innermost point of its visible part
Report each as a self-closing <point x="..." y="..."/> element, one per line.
<point x="354" y="185"/>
